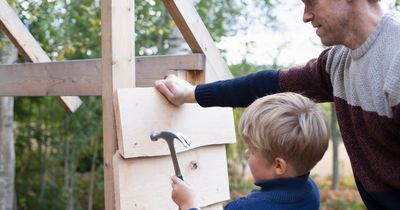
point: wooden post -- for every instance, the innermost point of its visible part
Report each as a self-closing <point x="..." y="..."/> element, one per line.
<point x="118" y="67"/>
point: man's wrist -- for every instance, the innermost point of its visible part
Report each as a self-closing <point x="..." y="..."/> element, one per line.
<point x="191" y="97"/>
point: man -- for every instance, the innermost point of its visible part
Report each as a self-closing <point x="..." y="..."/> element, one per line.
<point x="360" y="73"/>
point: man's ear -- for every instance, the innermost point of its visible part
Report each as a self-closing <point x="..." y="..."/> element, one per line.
<point x="280" y="166"/>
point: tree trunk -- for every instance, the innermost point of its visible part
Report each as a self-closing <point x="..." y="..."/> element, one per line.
<point x="335" y="146"/>
<point x="8" y="54"/>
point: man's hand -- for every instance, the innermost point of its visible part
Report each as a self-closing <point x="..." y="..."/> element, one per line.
<point x="182" y="195"/>
<point x="176" y="90"/>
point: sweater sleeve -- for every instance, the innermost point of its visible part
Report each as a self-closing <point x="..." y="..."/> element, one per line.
<point x="234" y="205"/>
<point x="237" y="92"/>
<point x="311" y="80"/>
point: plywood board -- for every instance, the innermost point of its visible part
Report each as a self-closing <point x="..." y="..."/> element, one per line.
<point x="144" y="183"/>
<point x="139" y="111"/>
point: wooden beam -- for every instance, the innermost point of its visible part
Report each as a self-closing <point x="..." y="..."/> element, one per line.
<point x="151" y="68"/>
<point x="28" y="47"/>
<point x="51" y="79"/>
<point x="83" y="77"/>
<point x="198" y="38"/>
<point x="118" y="70"/>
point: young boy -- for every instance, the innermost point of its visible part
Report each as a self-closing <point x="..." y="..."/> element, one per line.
<point x="286" y="136"/>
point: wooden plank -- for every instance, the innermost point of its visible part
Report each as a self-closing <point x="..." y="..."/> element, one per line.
<point x="51" y="79"/>
<point x="118" y="70"/>
<point x="28" y="47"/>
<point x="144" y="183"/>
<point x="202" y="126"/>
<point x="83" y="77"/>
<point x="197" y="36"/>
<point x="151" y="68"/>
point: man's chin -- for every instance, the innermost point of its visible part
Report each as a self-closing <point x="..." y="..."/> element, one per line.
<point x="327" y="42"/>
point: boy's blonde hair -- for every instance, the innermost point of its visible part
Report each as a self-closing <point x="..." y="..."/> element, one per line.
<point x="286" y="125"/>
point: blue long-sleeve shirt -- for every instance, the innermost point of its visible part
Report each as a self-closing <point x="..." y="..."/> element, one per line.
<point x="297" y="193"/>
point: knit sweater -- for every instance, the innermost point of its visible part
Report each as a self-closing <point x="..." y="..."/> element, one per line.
<point x="364" y="85"/>
<point x="297" y="193"/>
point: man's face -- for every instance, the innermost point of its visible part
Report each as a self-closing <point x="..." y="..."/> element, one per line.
<point x="331" y="18"/>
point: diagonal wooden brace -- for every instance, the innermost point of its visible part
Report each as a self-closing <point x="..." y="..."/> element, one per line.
<point x="29" y="47"/>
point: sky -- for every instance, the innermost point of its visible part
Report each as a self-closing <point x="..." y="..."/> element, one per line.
<point x="295" y="42"/>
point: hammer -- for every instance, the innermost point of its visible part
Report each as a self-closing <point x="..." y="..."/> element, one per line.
<point x="169" y="137"/>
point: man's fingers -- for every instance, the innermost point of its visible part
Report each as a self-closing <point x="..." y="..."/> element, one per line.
<point x="171" y="76"/>
<point x="162" y="87"/>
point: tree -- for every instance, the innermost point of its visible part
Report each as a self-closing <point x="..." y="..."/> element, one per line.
<point x="8" y="55"/>
<point x="59" y="155"/>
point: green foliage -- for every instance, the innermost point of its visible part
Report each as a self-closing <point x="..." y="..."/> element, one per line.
<point x="154" y="25"/>
<point x="59" y="154"/>
<point x="53" y="152"/>
<point x="65" y="29"/>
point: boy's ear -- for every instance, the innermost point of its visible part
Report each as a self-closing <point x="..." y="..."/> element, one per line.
<point x="280" y="166"/>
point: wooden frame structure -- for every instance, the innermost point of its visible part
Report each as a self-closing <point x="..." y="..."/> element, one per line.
<point x="118" y="67"/>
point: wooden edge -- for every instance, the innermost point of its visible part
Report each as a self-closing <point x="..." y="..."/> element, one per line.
<point x="116" y="170"/>
<point x="118" y="126"/>
<point x="69" y="103"/>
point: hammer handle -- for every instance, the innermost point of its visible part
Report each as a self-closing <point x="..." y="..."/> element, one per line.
<point x="174" y="160"/>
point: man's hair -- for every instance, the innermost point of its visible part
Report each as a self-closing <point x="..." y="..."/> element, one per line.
<point x="286" y="125"/>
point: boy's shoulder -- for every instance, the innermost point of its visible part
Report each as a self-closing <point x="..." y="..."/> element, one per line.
<point x="279" y="197"/>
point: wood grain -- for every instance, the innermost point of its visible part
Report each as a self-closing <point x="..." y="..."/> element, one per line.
<point x="144" y="183"/>
<point x="139" y="111"/>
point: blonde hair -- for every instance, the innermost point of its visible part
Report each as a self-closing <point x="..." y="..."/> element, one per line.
<point x="286" y="125"/>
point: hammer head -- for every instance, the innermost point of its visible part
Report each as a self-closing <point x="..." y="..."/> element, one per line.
<point x="170" y="136"/>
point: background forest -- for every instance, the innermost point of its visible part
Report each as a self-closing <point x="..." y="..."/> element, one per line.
<point x="58" y="155"/>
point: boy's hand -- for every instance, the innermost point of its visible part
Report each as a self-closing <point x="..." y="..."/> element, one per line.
<point x="176" y="90"/>
<point x="182" y="195"/>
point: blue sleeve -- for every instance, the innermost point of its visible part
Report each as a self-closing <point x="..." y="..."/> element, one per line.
<point x="315" y="200"/>
<point x="234" y="205"/>
<point x="238" y="92"/>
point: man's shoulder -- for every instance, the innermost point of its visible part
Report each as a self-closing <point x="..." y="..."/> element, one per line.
<point x="338" y="55"/>
<point x="394" y="16"/>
